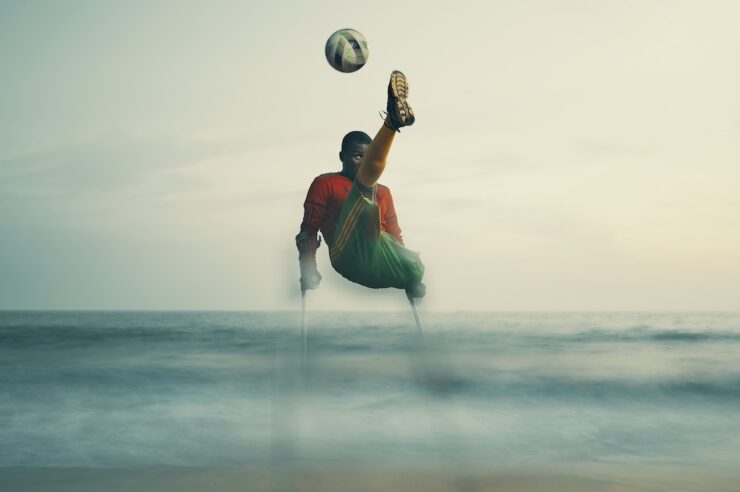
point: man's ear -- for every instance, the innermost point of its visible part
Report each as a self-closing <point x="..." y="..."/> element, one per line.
<point x="340" y="155"/>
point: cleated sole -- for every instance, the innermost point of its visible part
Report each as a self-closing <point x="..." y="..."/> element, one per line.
<point x="400" y="90"/>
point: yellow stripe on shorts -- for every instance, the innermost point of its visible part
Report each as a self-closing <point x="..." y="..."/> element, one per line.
<point x="346" y="230"/>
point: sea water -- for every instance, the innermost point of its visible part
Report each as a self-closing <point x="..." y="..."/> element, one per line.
<point x="101" y="389"/>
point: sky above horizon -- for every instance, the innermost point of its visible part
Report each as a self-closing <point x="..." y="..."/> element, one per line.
<point x="570" y="155"/>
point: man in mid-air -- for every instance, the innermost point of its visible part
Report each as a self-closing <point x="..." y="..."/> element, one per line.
<point x="355" y="213"/>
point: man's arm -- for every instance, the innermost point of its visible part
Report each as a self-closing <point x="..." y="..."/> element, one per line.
<point x="314" y="208"/>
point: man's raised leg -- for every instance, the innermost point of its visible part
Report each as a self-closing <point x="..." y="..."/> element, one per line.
<point x="399" y="115"/>
<point x="373" y="162"/>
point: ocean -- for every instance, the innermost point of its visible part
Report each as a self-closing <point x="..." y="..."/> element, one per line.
<point x="553" y="391"/>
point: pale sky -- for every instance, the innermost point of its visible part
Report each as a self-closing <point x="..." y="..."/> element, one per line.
<point x="567" y="155"/>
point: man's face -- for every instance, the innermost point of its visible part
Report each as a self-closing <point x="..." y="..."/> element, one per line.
<point x="351" y="157"/>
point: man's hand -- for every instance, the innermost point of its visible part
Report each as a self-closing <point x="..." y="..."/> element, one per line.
<point x="310" y="278"/>
<point x="307" y="245"/>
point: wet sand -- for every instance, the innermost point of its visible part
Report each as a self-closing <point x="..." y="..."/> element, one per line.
<point x="228" y="479"/>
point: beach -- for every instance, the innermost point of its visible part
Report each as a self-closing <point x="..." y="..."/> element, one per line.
<point x="223" y="401"/>
<point x="236" y="479"/>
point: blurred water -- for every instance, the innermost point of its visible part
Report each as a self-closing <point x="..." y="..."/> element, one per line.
<point x="186" y="388"/>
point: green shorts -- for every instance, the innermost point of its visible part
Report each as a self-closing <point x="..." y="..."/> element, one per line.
<point x="368" y="256"/>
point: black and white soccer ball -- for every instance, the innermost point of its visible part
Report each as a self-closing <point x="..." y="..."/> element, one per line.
<point x="346" y="50"/>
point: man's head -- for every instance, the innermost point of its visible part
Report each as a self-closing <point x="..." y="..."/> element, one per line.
<point x="354" y="145"/>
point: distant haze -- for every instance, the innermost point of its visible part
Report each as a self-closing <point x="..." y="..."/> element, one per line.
<point x="570" y="155"/>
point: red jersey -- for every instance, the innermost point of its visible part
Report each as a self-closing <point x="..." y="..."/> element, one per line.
<point x="324" y="202"/>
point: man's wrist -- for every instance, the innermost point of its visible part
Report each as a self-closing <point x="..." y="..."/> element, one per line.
<point x="308" y="265"/>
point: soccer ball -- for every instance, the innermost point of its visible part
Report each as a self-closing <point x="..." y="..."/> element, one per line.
<point x="346" y="50"/>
